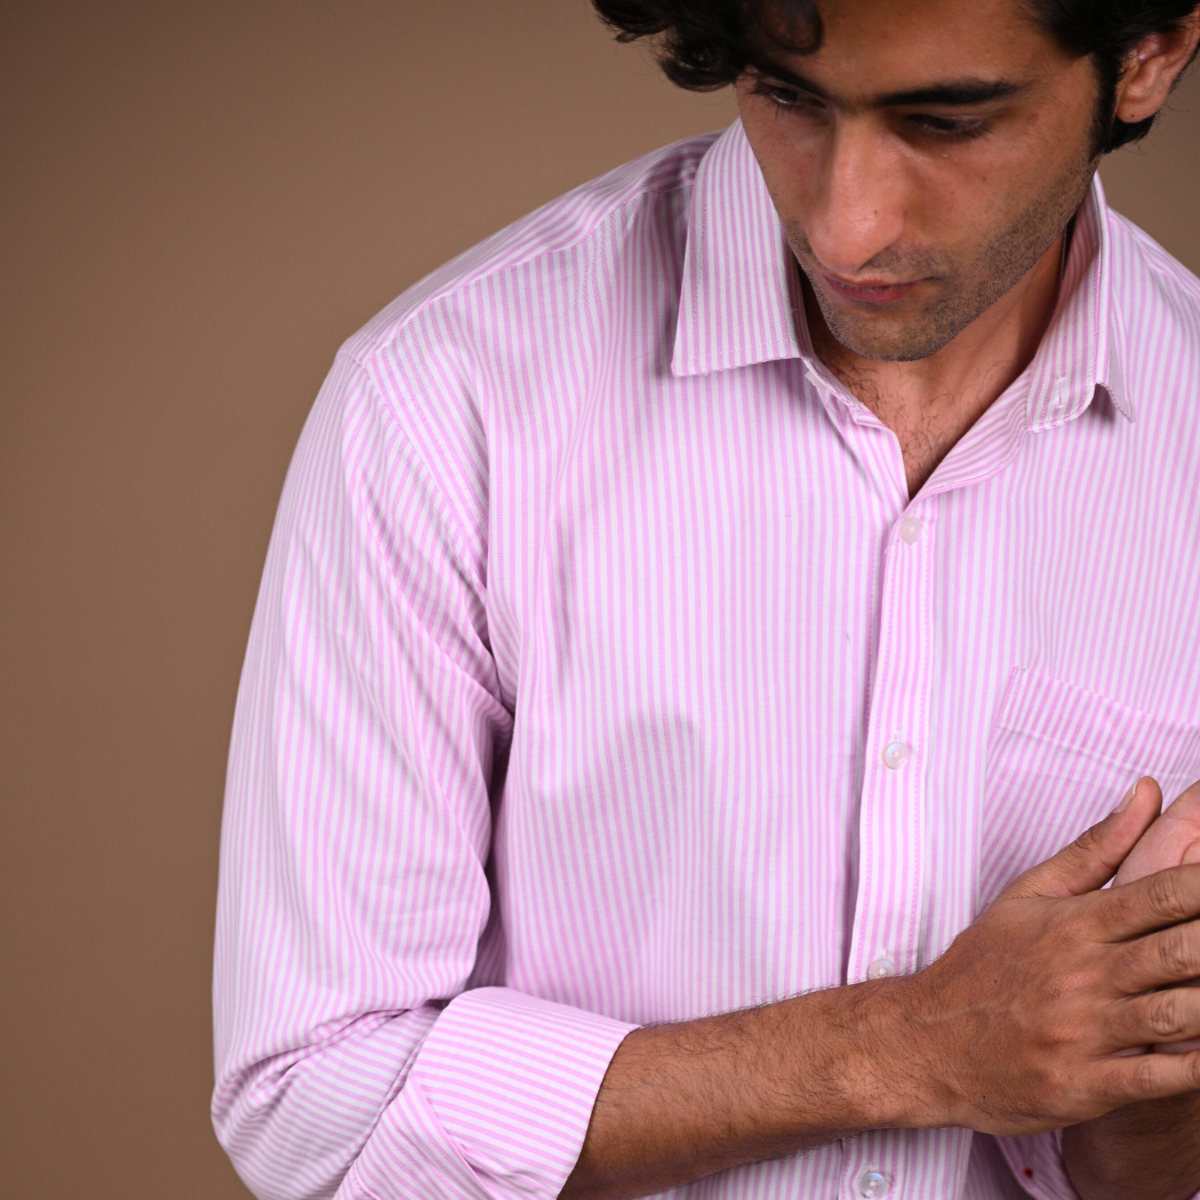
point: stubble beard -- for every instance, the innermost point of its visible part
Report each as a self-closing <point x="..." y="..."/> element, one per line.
<point x="964" y="291"/>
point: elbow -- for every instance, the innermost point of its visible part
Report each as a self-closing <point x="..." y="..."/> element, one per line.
<point x="264" y="1122"/>
<point x="294" y="1123"/>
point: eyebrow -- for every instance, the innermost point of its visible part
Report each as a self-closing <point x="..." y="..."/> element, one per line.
<point x="956" y="93"/>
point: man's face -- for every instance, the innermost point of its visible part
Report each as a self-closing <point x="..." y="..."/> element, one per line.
<point x="922" y="161"/>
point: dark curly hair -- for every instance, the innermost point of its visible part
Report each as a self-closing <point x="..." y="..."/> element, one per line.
<point x="706" y="44"/>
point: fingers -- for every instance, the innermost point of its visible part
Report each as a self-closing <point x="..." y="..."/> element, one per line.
<point x="1168" y="841"/>
<point x="1177" y="1047"/>
<point x="1155" y="902"/>
<point x="1169" y="1016"/>
<point x="1127" y="1080"/>
<point x="1170" y="956"/>
<point x="1186" y="806"/>
<point x="1093" y="858"/>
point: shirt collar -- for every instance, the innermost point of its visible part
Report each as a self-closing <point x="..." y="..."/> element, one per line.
<point x="740" y="300"/>
<point x="740" y="283"/>
<point x="1084" y="344"/>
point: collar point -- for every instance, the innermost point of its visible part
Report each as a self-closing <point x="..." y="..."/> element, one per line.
<point x="1121" y="403"/>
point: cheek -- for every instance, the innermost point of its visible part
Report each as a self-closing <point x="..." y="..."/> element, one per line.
<point x="967" y="197"/>
<point x="790" y="167"/>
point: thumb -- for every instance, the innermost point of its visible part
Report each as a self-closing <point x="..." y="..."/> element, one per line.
<point x="1092" y="859"/>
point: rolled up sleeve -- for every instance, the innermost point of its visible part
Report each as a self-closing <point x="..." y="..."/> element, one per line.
<point x="503" y="1087"/>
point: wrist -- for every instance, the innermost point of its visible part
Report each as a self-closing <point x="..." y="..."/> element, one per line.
<point x="899" y="1082"/>
<point x="868" y="1050"/>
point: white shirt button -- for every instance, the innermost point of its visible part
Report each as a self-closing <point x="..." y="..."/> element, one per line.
<point x="896" y="754"/>
<point x="911" y="530"/>
<point x="872" y="1183"/>
<point x="881" y="968"/>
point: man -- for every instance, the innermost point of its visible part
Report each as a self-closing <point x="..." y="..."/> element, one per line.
<point x="695" y="619"/>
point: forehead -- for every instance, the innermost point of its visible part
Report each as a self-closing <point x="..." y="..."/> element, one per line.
<point x="875" y="48"/>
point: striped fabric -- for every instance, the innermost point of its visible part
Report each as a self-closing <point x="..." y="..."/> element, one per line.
<point x="603" y="673"/>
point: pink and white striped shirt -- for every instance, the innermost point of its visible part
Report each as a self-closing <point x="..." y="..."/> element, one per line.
<point x="603" y="673"/>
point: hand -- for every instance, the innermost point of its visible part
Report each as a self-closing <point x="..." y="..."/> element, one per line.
<point x="1026" y="1022"/>
<point x="1148" y="1150"/>
<point x="1017" y="1028"/>
<point x="1172" y="840"/>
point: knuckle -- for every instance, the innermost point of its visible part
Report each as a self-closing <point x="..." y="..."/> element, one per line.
<point x="1144" y="1078"/>
<point x="1085" y="843"/>
<point x="1061" y="989"/>
<point x="1173" y="957"/>
<point x="1057" y="1031"/>
<point x="1166" y="896"/>
<point x="1164" y="1019"/>
<point x="1058" y="1083"/>
<point x="1137" y="966"/>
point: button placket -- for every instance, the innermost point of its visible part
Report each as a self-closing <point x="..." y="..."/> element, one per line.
<point x="892" y="817"/>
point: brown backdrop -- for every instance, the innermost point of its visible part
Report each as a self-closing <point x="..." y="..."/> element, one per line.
<point x="197" y="207"/>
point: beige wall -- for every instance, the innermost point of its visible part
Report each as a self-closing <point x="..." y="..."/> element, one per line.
<point x="199" y="203"/>
<point x="1157" y="183"/>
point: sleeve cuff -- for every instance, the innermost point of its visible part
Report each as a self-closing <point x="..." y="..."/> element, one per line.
<point x="506" y="1082"/>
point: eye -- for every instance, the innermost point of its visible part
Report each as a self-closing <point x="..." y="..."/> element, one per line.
<point x="784" y="97"/>
<point x="952" y="129"/>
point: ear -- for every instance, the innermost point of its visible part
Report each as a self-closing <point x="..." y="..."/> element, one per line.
<point x="1153" y="68"/>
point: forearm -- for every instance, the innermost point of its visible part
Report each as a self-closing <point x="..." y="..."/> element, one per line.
<point x="1146" y="1151"/>
<point x="682" y="1101"/>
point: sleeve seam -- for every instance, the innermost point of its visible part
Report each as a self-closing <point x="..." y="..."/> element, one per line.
<point x="428" y="478"/>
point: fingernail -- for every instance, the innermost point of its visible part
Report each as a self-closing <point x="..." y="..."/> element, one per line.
<point x="1129" y="795"/>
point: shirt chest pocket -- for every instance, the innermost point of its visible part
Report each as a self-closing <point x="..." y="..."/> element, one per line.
<point x="1059" y="758"/>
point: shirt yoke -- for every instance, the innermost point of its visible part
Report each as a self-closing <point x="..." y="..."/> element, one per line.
<point x="564" y="224"/>
<point x="1172" y="281"/>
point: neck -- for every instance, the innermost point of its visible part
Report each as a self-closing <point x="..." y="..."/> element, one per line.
<point x="931" y="402"/>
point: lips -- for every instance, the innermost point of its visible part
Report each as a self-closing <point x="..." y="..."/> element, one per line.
<point x="884" y="293"/>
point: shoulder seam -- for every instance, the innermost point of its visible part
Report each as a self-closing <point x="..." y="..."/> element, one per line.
<point x="470" y="279"/>
<point x="1188" y="282"/>
<point x="444" y="507"/>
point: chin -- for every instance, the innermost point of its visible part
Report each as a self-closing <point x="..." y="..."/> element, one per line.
<point x="904" y="343"/>
<point x="890" y="334"/>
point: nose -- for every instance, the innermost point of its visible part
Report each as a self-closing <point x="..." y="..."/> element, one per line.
<point x="859" y="208"/>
